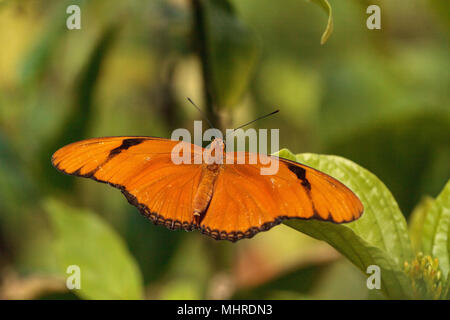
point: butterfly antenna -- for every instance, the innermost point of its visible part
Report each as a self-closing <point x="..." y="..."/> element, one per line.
<point x="259" y="118"/>
<point x="201" y="112"/>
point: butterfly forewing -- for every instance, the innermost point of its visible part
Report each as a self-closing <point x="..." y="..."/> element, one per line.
<point x="142" y="168"/>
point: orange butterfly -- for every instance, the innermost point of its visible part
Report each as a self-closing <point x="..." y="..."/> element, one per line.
<point x="225" y="201"/>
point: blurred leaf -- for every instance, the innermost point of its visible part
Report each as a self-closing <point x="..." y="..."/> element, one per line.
<point x="18" y="194"/>
<point x="232" y="51"/>
<point x="297" y="88"/>
<point x="37" y="60"/>
<point x="288" y="295"/>
<point x="189" y="271"/>
<point x="379" y="237"/>
<point x="442" y="7"/>
<point x="181" y="289"/>
<point x="416" y="222"/>
<point x="329" y="29"/>
<point x="299" y="282"/>
<point x="16" y="188"/>
<point x="152" y="246"/>
<point x="342" y="281"/>
<point x="108" y="271"/>
<point x="78" y="120"/>
<point x="436" y="230"/>
<point x="401" y="150"/>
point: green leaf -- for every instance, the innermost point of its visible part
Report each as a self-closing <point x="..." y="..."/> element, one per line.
<point x="108" y="271"/>
<point x="436" y="230"/>
<point x="329" y="29"/>
<point x="416" y="221"/>
<point x="232" y="52"/>
<point x="379" y="237"/>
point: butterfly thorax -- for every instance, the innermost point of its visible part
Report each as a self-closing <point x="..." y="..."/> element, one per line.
<point x="210" y="171"/>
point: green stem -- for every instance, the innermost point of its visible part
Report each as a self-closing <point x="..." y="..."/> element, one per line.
<point x="201" y="44"/>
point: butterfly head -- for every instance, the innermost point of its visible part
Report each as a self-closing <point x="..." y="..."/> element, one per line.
<point x="218" y="144"/>
<point x="214" y="152"/>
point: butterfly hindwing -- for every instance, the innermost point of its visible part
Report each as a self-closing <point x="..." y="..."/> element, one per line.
<point x="245" y="202"/>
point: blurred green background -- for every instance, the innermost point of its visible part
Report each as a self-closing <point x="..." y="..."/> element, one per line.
<point x="377" y="97"/>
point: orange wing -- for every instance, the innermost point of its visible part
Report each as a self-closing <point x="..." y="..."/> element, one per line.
<point x="245" y="202"/>
<point x="141" y="167"/>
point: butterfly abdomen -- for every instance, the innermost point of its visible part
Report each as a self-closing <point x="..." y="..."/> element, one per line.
<point x="205" y="189"/>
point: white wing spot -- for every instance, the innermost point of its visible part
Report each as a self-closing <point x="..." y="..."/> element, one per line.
<point x="273" y="182"/>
